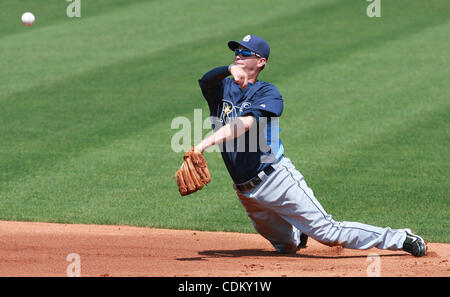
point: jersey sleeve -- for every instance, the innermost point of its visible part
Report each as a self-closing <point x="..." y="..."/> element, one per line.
<point x="212" y="85"/>
<point x="267" y="102"/>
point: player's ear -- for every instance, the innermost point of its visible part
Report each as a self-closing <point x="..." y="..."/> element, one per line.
<point x="262" y="62"/>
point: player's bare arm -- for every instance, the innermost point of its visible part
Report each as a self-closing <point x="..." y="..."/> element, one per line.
<point x="227" y="132"/>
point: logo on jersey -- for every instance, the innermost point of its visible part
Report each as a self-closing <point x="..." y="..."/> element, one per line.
<point x="230" y="112"/>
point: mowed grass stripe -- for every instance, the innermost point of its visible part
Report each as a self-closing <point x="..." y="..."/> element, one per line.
<point x="366" y="93"/>
<point x="73" y="118"/>
<point x="47" y="54"/>
<point x="119" y="183"/>
<point x="88" y="109"/>
<point x="334" y="31"/>
<point x="129" y="181"/>
<point x="154" y="190"/>
<point x="344" y="132"/>
<point x="51" y="13"/>
<point x="109" y="183"/>
<point x="395" y="178"/>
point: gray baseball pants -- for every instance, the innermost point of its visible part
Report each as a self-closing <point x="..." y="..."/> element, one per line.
<point x="282" y="207"/>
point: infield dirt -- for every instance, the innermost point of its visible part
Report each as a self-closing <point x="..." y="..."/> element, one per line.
<point x="42" y="249"/>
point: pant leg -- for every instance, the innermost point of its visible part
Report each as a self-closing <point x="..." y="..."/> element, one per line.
<point x="286" y="193"/>
<point x="282" y="235"/>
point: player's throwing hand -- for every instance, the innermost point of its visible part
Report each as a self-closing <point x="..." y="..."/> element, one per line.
<point x="239" y="75"/>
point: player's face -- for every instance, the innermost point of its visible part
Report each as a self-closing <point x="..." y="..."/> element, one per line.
<point x="248" y="60"/>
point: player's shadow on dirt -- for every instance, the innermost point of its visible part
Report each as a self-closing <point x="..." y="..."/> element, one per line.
<point x="204" y="255"/>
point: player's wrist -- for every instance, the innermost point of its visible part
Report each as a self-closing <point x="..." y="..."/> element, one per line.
<point x="229" y="67"/>
<point x="199" y="148"/>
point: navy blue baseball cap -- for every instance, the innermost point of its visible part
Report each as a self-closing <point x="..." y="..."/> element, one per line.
<point x="253" y="43"/>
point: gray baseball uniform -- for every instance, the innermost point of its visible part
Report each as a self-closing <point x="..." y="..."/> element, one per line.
<point x="282" y="205"/>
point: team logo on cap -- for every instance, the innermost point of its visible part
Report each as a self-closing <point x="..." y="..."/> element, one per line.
<point x="246" y="38"/>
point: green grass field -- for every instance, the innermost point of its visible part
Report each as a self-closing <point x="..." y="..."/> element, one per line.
<point x="86" y="106"/>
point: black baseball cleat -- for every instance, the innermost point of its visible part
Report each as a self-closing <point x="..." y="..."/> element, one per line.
<point x="290" y="248"/>
<point x="414" y="244"/>
<point x="303" y="241"/>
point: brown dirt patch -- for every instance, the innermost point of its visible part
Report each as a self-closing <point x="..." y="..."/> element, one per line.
<point x="41" y="249"/>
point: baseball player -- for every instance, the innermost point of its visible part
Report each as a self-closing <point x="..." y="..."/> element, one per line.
<point x="274" y="193"/>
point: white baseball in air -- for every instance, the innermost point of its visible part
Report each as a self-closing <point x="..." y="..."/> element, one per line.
<point x="28" y="18"/>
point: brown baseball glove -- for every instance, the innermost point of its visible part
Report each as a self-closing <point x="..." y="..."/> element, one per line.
<point x="193" y="174"/>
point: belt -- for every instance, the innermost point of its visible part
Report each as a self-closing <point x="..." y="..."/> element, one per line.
<point x="251" y="184"/>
